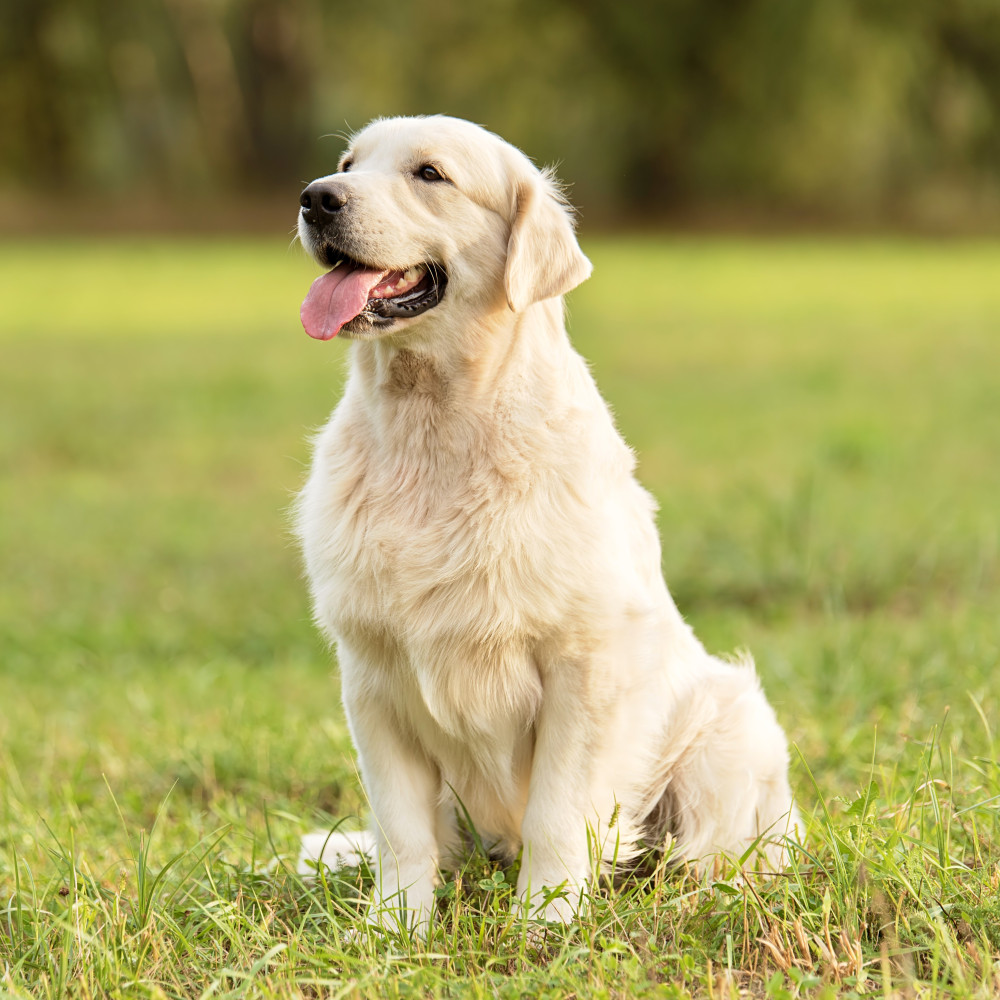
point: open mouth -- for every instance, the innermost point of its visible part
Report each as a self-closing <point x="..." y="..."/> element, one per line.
<point x="357" y="297"/>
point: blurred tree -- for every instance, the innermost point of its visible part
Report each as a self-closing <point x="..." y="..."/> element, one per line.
<point x="43" y="54"/>
<point x="219" y="100"/>
<point x="882" y="109"/>
<point x="277" y="72"/>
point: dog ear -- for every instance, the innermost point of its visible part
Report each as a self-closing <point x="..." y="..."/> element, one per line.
<point x="543" y="256"/>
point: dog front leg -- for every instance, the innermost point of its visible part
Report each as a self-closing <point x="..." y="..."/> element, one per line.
<point x="556" y="853"/>
<point x="403" y="788"/>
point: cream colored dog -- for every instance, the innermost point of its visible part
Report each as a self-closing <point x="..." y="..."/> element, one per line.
<point x="483" y="557"/>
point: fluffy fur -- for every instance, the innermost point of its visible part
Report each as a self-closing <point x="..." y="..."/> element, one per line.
<point x="489" y="568"/>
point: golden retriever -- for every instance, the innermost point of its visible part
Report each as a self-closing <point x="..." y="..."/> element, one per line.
<point x="484" y="559"/>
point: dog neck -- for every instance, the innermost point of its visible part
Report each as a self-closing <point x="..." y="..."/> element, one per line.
<point x="439" y="385"/>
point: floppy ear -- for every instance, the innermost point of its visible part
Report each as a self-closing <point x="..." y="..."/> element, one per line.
<point x="543" y="257"/>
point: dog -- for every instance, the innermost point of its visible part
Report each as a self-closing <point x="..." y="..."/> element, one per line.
<point x="481" y="554"/>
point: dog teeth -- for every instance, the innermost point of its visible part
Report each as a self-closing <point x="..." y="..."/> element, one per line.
<point x="407" y="279"/>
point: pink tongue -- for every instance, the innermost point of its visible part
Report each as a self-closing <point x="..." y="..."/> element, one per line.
<point x="335" y="298"/>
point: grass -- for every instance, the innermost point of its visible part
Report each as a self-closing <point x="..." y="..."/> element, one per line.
<point x="819" y="421"/>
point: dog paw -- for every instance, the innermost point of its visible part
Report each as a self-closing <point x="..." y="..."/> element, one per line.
<point x="334" y="851"/>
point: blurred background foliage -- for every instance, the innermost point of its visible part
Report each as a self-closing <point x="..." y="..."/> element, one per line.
<point x="828" y="111"/>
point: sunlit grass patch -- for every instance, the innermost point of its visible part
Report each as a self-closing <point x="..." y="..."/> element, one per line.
<point x="818" y="420"/>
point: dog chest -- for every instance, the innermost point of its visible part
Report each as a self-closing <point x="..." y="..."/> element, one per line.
<point x="462" y="554"/>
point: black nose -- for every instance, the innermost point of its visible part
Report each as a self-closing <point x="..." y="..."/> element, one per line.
<point x="321" y="201"/>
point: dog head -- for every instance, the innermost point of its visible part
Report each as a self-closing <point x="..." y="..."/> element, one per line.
<point x="432" y="214"/>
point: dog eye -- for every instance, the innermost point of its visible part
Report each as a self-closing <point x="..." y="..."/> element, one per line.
<point x="429" y="173"/>
<point x="345" y="166"/>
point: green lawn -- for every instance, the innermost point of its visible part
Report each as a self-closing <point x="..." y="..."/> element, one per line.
<point x="820" y="421"/>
